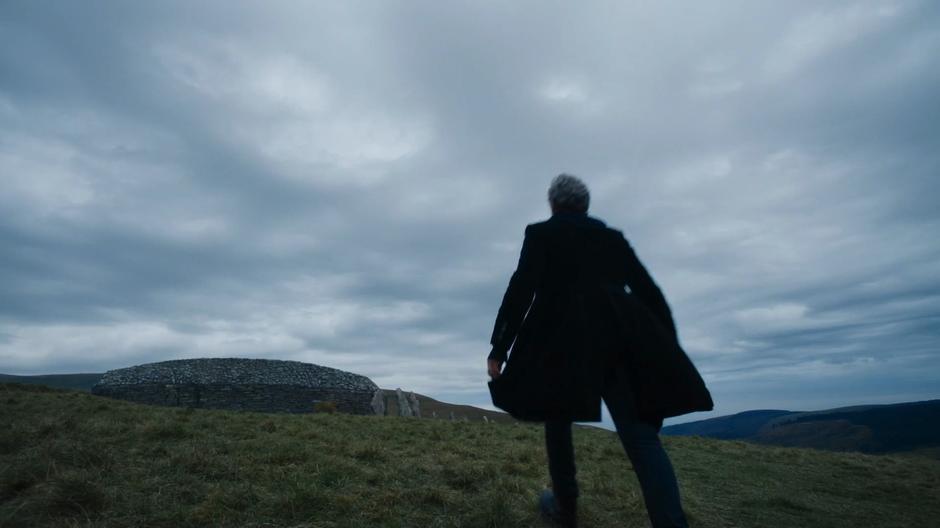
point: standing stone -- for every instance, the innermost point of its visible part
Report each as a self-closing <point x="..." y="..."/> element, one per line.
<point x="433" y="414"/>
<point x="452" y="418"/>
<point x="415" y="406"/>
<point x="485" y="419"/>
<point x="403" y="408"/>
<point x="378" y="402"/>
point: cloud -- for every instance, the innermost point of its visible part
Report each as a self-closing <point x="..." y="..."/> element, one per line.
<point x="823" y="32"/>
<point x="349" y="184"/>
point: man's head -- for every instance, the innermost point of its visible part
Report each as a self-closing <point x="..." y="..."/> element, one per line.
<point x="568" y="194"/>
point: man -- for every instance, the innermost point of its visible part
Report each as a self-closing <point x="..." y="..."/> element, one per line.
<point x="577" y="336"/>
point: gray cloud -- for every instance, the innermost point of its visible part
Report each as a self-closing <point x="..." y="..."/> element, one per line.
<point x="348" y="184"/>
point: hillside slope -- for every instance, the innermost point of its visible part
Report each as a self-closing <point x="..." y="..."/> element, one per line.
<point x="431" y="408"/>
<point x="70" y="459"/>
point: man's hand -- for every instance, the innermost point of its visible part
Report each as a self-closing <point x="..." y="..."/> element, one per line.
<point x="494" y="367"/>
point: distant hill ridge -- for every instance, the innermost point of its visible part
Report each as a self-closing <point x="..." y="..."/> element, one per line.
<point x="82" y="382"/>
<point x="430" y="407"/>
<point x="867" y="428"/>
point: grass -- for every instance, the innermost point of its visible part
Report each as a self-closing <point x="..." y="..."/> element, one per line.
<point x="72" y="459"/>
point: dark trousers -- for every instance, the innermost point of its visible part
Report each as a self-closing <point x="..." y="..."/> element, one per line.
<point x="641" y="442"/>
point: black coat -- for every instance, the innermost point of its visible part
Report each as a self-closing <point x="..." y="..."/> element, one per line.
<point x="581" y="323"/>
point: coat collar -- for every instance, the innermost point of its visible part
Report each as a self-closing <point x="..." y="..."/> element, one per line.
<point x="577" y="218"/>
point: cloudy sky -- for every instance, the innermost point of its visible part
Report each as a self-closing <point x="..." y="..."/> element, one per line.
<point x="347" y="183"/>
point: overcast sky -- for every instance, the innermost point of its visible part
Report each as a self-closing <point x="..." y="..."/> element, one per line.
<point x="347" y="183"/>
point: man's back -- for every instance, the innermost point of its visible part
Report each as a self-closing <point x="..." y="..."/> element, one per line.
<point x="573" y="256"/>
<point x="580" y="251"/>
<point x="577" y="336"/>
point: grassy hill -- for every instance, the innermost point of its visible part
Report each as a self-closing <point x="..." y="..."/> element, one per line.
<point x="72" y="459"/>
<point x="429" y="406"/>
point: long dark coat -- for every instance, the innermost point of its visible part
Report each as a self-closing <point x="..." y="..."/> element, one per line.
<point x="581" y="323"/>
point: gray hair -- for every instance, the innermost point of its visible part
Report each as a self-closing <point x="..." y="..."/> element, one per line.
<point x="568" y="193"/>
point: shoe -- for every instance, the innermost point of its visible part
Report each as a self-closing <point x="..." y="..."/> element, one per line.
<point x="561" y="511"/>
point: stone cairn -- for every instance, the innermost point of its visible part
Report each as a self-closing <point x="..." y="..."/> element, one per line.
<point x="258" y="385"/>
<point x="261" y="385"/>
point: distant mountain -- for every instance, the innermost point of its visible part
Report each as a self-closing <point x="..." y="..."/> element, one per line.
<point x="869" y="429"/>
<point x="82" y="382"/>
<point x="735" y="427"/>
